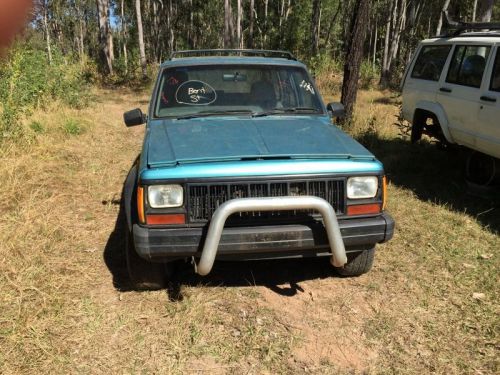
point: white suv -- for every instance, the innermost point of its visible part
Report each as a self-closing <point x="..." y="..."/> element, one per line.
<point x="451" y="89"/>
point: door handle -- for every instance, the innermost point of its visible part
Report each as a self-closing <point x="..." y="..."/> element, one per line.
<point x="488" y="99"/>
<point x="445" y="89"/>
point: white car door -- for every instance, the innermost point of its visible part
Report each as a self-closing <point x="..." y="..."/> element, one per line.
<point x="459" y="93"/>
<point x="422" y="78"/>
<point x="488" y="137"/>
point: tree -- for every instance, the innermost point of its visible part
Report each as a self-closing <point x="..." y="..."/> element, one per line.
<point x="104" y="37"/>
<point x="140" y="34"/>
<point x="45" y="22"/>
<point x="239" y="33"/>
<point x="485" y="10"/>
<point x="228" y="25"/>
<point x="354" y="55"/>
<point x="440" y="22"/>
<point x="315" y="26"/>
<point x="124" y="34"/>
<point x="250" y="27"/>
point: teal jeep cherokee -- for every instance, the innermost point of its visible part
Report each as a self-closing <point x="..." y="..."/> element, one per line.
<point x="241" y="161"/>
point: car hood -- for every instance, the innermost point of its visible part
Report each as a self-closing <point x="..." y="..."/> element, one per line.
<point x="173" y="142"/>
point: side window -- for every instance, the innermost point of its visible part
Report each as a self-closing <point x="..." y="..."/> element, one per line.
<point x="495" y="77"/>
<point x="430" y="62"/>
<point x="467" y="65"/>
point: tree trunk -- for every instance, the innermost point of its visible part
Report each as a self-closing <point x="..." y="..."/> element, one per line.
<point x="250" y="26"/>
<point x="474" y="11"/>
<point x="104" y="41"/>
<point x="170" y="32"/>
<point x="124" y="35"/>
<point x="315" y="26"/>
<point x="485" y="10"/>
<point x="354" y="55"/>
<point x="399" y="26"/>
<point x="266" y="12"/>
<point x="440" y="22"/>
<point x="332" y="23"/>
<point x="384" y="75"/>
<point x="239" y="34"/>
<point x="228" y="25"/>
<point x="79" y="38"/>
<point x="82" y="43"/>
<point x="375" y="41"/>
<point x="46" y="30"/>
<point x="111" y="48"/>
<point x="142" y="53"/>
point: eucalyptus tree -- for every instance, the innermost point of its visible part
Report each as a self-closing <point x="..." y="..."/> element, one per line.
<point x="105" y="37"/>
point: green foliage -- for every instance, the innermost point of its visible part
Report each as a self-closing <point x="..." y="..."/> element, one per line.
<point x="73" y="127"/>
<point x="28" y="81"/>
<point x="37" y="127"/>
<point x="327" y="72"/>
<point x="369" y="74"/>
<point x="322" y="63"/>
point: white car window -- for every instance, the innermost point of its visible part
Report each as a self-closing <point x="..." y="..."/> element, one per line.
<point x="495" y="77"/>
<point x="467" y="65"/>
<point x="430" y="62"/>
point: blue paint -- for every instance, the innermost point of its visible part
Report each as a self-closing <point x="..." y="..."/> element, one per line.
<point x="174" y="142"/>
<point x="264" y="168"/>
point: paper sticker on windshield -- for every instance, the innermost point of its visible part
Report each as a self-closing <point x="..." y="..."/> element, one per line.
<point x="195" y="93"/>
<point x="307" y="86"/>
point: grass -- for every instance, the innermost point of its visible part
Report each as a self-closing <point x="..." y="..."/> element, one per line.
<point x="64" y="308"/>
<point x="73" y="127"/>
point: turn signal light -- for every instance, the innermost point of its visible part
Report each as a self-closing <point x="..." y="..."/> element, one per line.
<point x="384" y="192"/>
<point x="166" y="219"/>
<point x="364" y="209"/>
<point x="140" y="204"/>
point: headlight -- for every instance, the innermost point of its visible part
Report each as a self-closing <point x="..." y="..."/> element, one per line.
<point x="163" y="196"/>
<point x="362" y="187"/>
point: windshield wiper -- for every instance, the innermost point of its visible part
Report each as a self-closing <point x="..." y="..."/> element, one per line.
<point x="279" y="111"/>
<point x="216" y="113"/>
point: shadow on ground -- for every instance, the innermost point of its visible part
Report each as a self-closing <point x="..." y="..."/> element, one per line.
<point x="280" y="276"/>
<point x="114" y="253"/>
<point x="437" y="175"/>
<point x="433" y="174"/>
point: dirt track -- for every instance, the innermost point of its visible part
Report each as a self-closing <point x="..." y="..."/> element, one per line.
<point x="66" y="305"/>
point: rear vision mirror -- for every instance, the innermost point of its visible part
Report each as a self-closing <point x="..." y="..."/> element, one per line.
<point x="236" y="77"/>
<point x="134" y="117"/>
<point x="336" y="110"/>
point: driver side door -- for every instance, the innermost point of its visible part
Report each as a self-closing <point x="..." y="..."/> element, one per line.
<point x="460" y="92"/>
<point x="488" y="138"/>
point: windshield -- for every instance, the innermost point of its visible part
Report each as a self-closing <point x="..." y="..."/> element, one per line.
<point x="262" y="90"/>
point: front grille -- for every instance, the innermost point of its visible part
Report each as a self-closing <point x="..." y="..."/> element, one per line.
<point x="205" y="198"/>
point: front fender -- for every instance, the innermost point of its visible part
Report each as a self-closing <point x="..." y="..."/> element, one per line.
<point x="440" y="113"/>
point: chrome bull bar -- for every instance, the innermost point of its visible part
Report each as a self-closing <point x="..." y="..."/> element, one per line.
<point x="216" y="226"/>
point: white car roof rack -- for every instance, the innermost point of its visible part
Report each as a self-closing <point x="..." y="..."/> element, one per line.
<point x="233" y="52"/>
<point x="457" y="28"/>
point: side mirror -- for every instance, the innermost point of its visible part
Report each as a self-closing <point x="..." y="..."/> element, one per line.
<point x="134" y="117"/>
<point x="336" y="110"/>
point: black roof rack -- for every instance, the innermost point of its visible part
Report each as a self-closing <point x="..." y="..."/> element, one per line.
<point x="455" y="28"/>
<point x="232" y="52"/>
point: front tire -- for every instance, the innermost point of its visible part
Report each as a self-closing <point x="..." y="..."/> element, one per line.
<point x="145" y="275"/>
<point x="417" y="128"/>
<point x="358" y="263"/>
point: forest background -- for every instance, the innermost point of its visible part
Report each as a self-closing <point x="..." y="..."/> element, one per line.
<point x="70" y="45"/>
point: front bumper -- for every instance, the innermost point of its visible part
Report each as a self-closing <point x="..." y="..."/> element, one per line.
<point x="262" y="242"/>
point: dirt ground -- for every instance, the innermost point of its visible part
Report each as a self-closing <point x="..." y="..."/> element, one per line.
<point x="430" y="304"/>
